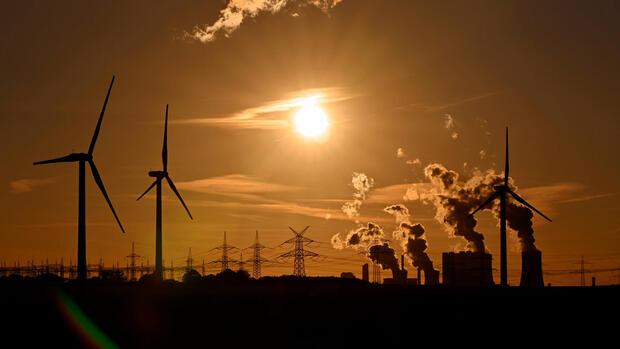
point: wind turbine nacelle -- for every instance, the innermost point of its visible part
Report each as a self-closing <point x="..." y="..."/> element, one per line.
<point x="157" y="174"/>
<point x="500" y="188"/>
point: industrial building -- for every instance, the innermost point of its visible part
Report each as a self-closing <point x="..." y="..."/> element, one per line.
<point x="467" y="269"/>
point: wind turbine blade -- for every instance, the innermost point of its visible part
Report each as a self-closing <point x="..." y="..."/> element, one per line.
<point x="164" y="151"/>
<point x="151" y="187"/>
<point x="493" y="197"/>
<point x="507" y="162"/>
<point x="68" y="158"/>
<point x="96" y="134"/>
<point x="174" y="189"/>
<point x="99" y="182"/>
<point x="521" y="200"/>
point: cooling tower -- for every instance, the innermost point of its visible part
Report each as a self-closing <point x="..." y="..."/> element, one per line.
<point x="531" y="269"/>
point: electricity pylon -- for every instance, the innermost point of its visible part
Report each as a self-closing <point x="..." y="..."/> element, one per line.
<point x="298" y="252"/>
<point x="132" y="266"/>
<point x="256" y="258"/>
<point x="189" y="261"/>
<point x="224" y="261"/>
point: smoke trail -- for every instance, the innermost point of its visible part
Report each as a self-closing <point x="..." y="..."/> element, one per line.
<point x="384" y="255"/>
<point x="362" y="184"/>
<point x="237" y="11"/>
<point x="361" y="237"/>
<point x="519" y="218"/>
<point x="411" y="237"/>
<point x="454" y="200"/>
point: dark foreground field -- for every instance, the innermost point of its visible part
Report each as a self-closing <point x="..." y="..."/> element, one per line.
<point x="292" y="312"/>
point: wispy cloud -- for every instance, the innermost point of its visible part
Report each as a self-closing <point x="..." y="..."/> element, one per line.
<point x="25" y="185"/>
<point x="268" y="116"/>
<point x="545" y="198"/>
<point x="238" y="186"/>
<point x="251" y="194"/>
<point x="236" y="11"/>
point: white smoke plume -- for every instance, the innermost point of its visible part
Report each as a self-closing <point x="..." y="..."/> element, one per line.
<point x="400" y="153"/>
<point x="411" y="237"/>
<point x="454" y="200"/>
<point x="360" y="238"/>
<point x="237" y="11"/>
<point x="362" y="185"/>
<point x="449" y="124"/>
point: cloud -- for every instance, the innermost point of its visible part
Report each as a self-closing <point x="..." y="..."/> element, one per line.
<point x="236" y="185"/>
<point x="236" y="11"/>
<point x="545" y="197"/>
<point x="25" y="185"/>
<point x="268" y="116"/>
<point x="251" y="195"/>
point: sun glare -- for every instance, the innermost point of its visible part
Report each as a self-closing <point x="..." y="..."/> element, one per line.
<point x="311" y="121"/>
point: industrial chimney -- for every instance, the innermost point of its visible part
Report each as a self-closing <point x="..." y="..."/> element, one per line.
<point x="531" y="269"/>
<point x="365" y="272"/>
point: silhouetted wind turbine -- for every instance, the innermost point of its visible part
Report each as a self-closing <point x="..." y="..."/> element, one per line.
<point x="159" y="175"/>
<point x="501" y="191"/>
<point x="82" y="159"/>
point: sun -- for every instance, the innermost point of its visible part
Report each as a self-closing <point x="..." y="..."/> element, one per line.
<point x="311" y="121"/>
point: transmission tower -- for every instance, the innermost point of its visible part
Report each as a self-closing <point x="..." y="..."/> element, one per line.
<point x="298" y="252"/>
<point x="582" y="271"/>
<point x="189" y="261"/>
<point x="224" y="261"/>
<point x="256" y="258"/>
<point x="132" y="258"/>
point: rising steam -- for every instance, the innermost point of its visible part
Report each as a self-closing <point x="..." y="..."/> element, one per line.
<point x="454" y="200"/>
<point x="411" y="237"/>
<point x="362" y="184"/>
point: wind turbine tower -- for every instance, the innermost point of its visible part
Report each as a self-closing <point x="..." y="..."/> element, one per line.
<point x="159" y="176"/>
<point x="82" y="159"/>
<point x="500" y="192"/>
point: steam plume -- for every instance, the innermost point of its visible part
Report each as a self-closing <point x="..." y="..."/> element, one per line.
<point x="454" y="200"/>
<point x="412" y="238"/>
<point x="362" y="184"/>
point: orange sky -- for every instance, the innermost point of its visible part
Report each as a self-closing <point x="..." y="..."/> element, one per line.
<point x="438" y="81"/>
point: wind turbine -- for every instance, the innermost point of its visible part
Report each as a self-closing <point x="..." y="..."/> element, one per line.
<point x="82" y="159"/>
<point x="159" y="176"/>
<point x="501" y="191"/>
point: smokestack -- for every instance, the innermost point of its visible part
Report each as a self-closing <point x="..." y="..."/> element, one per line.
<point x="365" y="272"/>
<point x="402" y="262"/>
<point x="531" y="269"/>
<point x="419" y="276"/>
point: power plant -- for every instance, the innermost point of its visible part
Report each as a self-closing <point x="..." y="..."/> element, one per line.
<point x="467" y="269"/>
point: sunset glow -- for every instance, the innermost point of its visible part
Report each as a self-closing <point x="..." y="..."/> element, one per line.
<point x="311" y="121"/>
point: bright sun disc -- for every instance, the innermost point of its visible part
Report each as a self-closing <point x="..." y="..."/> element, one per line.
<point x="311" y="121"/>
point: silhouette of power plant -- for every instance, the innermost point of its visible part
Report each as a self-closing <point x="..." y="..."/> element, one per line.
<point x="462" y="268"/>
